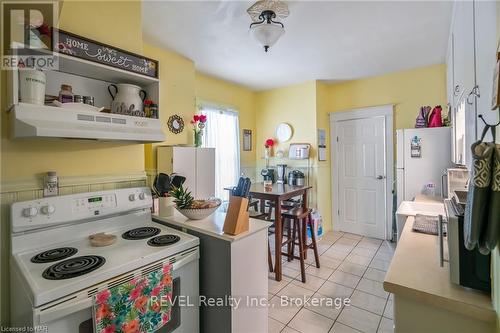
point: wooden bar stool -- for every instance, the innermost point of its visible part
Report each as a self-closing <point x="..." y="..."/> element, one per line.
<point x="300" y="218"/>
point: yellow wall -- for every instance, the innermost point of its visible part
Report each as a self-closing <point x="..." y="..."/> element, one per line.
<point x="323" y="169"/>
<point x="25" y="160"/>
<point x="217" y="91"/>
<point x="22" y="160"/>
<point x="408" y="90"/>
<point x="177" y="96"/>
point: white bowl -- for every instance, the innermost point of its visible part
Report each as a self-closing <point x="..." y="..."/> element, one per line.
<point x="198" y="213"/>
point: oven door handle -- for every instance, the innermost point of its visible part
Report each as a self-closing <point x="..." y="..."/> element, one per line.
<point x="63" y="309"/>
<point x="186" y="259"/>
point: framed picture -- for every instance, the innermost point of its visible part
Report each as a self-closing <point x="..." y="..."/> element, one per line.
<point x="247" y="140"/>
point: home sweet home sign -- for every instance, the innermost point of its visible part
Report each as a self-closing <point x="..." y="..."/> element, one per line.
<point x="85" y="48"/>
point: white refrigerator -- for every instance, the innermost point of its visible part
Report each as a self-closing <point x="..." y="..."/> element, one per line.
<point x="422" y="157"/>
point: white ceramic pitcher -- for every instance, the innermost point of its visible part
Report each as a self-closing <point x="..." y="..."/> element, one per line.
<point x="127" y="98"/>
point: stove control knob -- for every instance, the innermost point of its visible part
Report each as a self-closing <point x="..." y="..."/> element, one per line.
<point x="30" y="212"/>
<point x="142" y="195"/>
<point x="132" y="197"/>
<point x="48" y="210"/>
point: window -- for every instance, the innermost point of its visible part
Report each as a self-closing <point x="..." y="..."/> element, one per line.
<point x="222" y="133"/>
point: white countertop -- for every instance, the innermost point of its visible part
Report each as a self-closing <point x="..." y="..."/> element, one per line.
<point x="212" y="225"/>
<point x="415" y="273"/>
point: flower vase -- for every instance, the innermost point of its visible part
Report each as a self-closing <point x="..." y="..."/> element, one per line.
<point x="267" y="152"/>
<point x="198" y="138"/>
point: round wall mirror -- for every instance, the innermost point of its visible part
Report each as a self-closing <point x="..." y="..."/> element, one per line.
<point x="283" y="132"/>
<point x="175" y="124"/>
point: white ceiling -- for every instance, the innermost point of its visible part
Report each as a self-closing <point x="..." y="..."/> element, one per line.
<point x="324" y="40"/>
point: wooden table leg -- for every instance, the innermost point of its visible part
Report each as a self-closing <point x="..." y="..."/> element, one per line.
<point x="304" y="230"/>
<point x="278" y="240"/>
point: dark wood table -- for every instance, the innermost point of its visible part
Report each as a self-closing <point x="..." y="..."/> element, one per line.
<point x="278" y="194"/>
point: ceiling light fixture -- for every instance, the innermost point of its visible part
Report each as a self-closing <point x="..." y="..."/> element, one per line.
<point x="265" y="27"/>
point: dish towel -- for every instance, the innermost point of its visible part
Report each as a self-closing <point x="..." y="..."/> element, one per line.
<point x="140" y="305"/>
<point x="476" y="209"/>
<point x="490" y="239"/>
<point x="427" y="224"/>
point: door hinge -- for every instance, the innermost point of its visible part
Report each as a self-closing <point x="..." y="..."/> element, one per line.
<point x="338" y="212"/>
<point x="337" y="139"/>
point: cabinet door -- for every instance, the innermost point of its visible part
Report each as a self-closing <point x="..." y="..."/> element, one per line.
<point x="205" y="172"/>
<point x="485" y="44"/>
<point x="184" y="164"/>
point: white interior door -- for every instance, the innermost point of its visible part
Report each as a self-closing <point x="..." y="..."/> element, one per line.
<point x="361" y="176"/>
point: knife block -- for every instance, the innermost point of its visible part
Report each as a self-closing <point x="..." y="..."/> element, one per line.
<point x="237" y="216"/>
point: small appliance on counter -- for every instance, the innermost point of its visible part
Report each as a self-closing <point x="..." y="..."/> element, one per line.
<point x="268" y="174"/>
<point x="299" y="151"/>
<point x="281" y="179"/>
<point x="296" y="178"/>
<point x="467" y="268"/>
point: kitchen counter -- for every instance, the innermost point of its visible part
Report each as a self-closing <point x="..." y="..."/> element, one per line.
<point x="423" y="290"/>
<point x="229" y="266"/>
<point x="212" y="225"/>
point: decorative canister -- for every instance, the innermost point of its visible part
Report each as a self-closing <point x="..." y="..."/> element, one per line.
<point x="32" y="86"/>
<point x="127" y="98"/>
<point x="166" y="206"/>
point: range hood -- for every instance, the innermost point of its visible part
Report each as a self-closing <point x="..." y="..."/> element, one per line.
<point x="39" y="121"/>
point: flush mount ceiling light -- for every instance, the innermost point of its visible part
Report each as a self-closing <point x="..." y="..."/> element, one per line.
<point x="265" y="26"/>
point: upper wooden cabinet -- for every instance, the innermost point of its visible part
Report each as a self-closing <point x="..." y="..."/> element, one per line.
<point x="470" y="62"/>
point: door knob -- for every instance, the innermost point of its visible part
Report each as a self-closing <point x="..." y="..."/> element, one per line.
<point x="380" y="177"/>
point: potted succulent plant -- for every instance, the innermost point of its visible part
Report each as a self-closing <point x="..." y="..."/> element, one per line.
<point x="191" y="208"/>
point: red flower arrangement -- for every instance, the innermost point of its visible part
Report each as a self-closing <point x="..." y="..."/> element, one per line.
<point x="269" y="143"/>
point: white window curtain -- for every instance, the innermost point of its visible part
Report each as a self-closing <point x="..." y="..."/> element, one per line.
<point x="222" y="133"/>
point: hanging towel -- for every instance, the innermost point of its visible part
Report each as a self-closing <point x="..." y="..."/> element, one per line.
<point x="476" y="209"/>
<point x="427" y="224"/>
<point x="140" y="305"/>
<point x="493" y="229"/>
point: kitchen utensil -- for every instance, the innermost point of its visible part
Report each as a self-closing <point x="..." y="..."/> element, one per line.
<point x="126" y="98"/>
<point x="32" y="86"/>
<point x="177" y="180"/>
<point x="162" y="184"/>
<point x="102" y="239"/>
<point x="281" y="174"/>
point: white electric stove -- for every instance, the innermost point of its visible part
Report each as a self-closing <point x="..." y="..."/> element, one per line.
<point x="55" y="271"/>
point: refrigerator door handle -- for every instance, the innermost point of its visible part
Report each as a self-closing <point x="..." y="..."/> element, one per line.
<point x="443" y="177"/>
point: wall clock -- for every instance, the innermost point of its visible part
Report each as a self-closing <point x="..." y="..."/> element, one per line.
<point x="175" y="124"/>
<point x="283" y="132"/>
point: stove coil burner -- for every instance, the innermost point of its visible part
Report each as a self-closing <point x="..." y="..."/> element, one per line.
<point x="54" y="255"/>
<point x="141" y="233"/>
<point x="163" y="240"/>
<point x="73" y="267"/>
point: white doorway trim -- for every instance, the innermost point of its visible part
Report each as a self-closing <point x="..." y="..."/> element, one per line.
<point x="376" y="111"/>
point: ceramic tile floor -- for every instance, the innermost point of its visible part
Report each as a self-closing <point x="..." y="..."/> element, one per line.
<point x="353" y="267"/>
